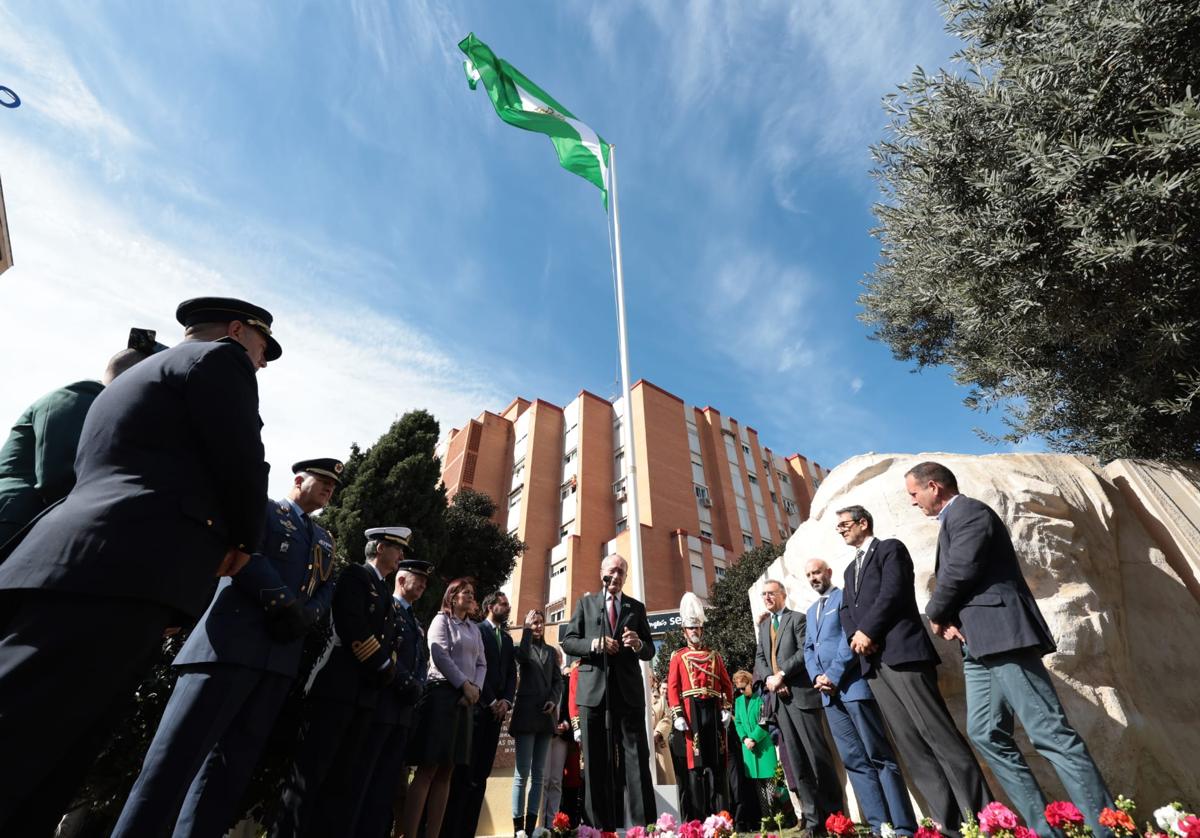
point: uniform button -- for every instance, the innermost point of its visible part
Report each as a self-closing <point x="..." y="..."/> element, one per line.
<point x="208" y="522"/>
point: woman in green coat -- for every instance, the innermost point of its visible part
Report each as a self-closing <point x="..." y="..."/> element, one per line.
<point x="758" y="751"/>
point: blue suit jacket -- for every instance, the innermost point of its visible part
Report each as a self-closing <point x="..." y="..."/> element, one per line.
<point x="827" y="652"/>
<point x="169" y="476"/>
<point x="884" y="607"/>
<point x="293" y="561"/>
<point x="980" y="587"/>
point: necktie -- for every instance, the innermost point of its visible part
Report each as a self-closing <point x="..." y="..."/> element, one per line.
<point x="774" y="641"/>
<point x="821" y="607"/>
<point x="612" y="614"/>
<point x="858" y="559"/>
<point x="499" y="645"/>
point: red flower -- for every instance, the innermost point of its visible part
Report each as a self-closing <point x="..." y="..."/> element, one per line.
<point x="839" y="824"/>
<point x="1189" y="827"/>
<point x="691" y="829"/>
<point x="1024" y="832"/>
<point x="927" y="832"/>
<point x="561" y="822"/>
<point x="1118" y="821"/>
<point x="1061" y="813"/>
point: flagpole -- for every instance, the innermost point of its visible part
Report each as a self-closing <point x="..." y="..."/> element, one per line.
<point x="637" y="575"/>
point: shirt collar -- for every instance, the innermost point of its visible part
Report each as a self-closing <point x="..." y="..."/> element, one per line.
<point x="866" y="545"/>
<point x="829" y="592"/>
<point x="942" y="514"/>
<point x="296" y="507"/>
<point x="375" y="570"/>
<point x="401" y="601"/>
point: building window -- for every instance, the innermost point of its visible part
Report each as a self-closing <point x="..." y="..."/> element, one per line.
<point x="719" y="572"/>
<point x="816" y="483"/>
<point x="558" y="569"/>
<point x="518" y="473"/>
<point x="619" y="463"/>
<point x="783" y="478"/>
<point x="701" y="493"/>
<point x="557" y="616"/>
<point x="514" y="498"/>
<point x="746" y="449"/>
<point x="773" y="498"/>
<point x="706" y="533"/>
<point x="565" y="530"/>
<point x="789" y="506"/>
<point x="622" y="525"/>
<point x="570" y="456"/>
<point x="748" y="540"/>
<point x="567" y="489"/>
<point x="753" y="479"/>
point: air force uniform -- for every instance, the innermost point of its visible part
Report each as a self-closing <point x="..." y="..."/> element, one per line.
<point x="321" y="795"/>
<point x="236" y="670"/>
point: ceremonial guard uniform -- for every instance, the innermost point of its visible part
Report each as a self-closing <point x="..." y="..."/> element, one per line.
<point x="701" y="697"/>
<point x="236" y="671"/>
<point x="170" y="480"/>
<point x="394" y="716"/>
<point x="321" y="796"/>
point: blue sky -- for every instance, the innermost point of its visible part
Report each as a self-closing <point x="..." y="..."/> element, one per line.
<point x="329" y="161"/>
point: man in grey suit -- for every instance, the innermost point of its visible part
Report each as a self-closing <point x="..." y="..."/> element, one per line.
<point x="983" y="601"/>
<point x="780" y="656"/>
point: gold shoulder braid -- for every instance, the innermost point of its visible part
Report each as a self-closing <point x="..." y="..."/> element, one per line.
<point x="321" y="570"/>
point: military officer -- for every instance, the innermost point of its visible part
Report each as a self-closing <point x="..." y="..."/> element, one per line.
<point x="170" y="482"/>
<point x="236" y="670"/>
<point x="393" y="717"/>
<point x="320" y="795"/>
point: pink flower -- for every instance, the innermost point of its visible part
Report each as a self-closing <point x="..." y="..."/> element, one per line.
<point x="1189" y="826"/>
<point x="716" y="826"/>
<point x="666" y="823"/>
<point x="1024" y="832"/>
<point x="635" y="832"/>
<point x="996" y="816"/>
<point x="1061" y="814"/>
<point x="586" y="831"/>
<point x="691" y="829"/>
<point x="927" y="832"/>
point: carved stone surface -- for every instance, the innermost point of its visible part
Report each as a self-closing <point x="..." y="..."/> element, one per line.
<point x="1113" y="557"/>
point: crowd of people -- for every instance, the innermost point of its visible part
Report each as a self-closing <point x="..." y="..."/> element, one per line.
<point x="134" y="507"/>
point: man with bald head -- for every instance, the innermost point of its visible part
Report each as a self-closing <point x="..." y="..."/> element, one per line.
<point x="610" y="635"/>
<point x="850" y="708"/>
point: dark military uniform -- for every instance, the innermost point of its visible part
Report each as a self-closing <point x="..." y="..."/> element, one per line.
<point x="170" y="476"/>
<point x="237" y="668"/>
<point x="320" y="796"/>
<point x="393" y="721"/>
<point x="37" y="462"/>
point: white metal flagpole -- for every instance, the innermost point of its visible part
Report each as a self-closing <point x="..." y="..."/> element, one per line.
<point x="637" y="576"/>
<point x="636" y="572"/>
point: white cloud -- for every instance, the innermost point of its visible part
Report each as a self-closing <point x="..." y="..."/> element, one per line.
<point x="41" y="72"/>
<point x="86" y="271"/>
<point x="856" y="384"/>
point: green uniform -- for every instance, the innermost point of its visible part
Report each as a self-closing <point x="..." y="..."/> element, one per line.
<point x="760" y="762"/>
<point x="37" y="462"/>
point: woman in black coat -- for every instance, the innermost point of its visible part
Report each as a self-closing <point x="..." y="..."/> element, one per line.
<point x="539" y="687"/>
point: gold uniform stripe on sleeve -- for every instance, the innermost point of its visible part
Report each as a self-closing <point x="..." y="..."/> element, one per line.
<point x="363" y="649"/>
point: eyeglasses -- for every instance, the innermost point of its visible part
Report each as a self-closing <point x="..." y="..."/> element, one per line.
<point x="842" y="526"/>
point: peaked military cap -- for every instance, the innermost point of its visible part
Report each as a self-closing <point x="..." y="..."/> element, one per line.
<point x="415" y="566"/>
<point x="326" y="467"/>
<point x="392" y="535"/>
<point x="225" y="310"/>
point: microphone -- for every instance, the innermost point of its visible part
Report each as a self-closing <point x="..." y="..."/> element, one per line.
<point x="606" y="580"/>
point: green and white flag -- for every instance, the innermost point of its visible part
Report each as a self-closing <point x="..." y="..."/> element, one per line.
<point x="520" y="102"/>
